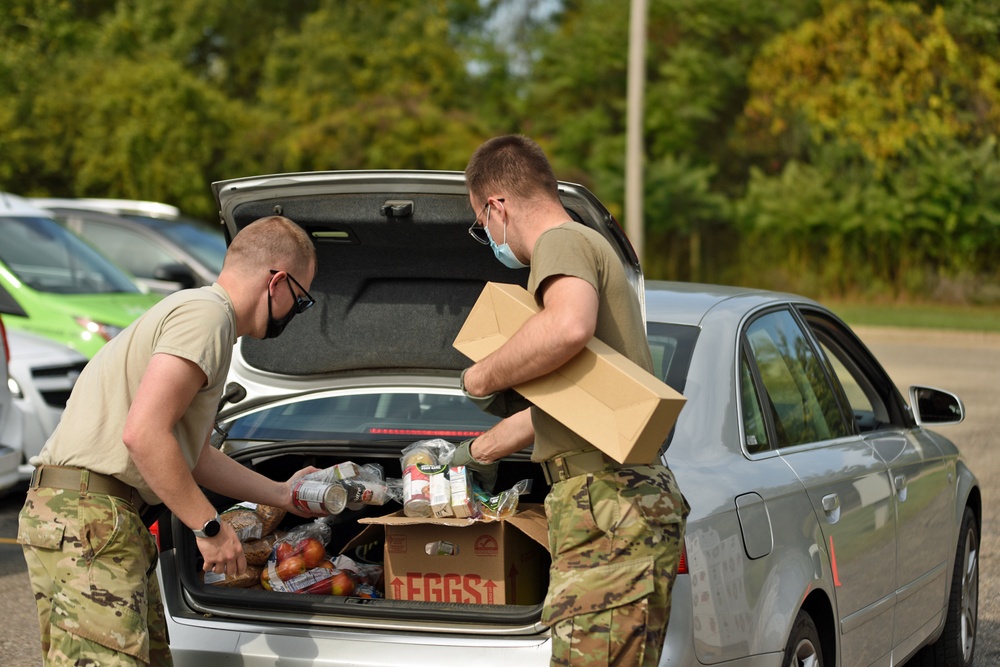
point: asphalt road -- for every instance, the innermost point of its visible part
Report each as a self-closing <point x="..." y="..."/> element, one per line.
<point x="966" y="363"/>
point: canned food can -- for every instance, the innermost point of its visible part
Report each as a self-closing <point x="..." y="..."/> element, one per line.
<point x="319" y="497"/>
<point x="416" y="491"/>
<point x="365" y="492"/>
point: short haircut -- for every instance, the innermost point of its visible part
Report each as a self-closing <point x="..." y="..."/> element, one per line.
<point x="511" y="165"/>
<point x="273" y="242"/>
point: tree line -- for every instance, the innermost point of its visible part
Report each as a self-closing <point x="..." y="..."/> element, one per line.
<point x="835" y="148"/>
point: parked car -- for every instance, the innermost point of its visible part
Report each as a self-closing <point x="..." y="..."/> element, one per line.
<point x="11" y="420"/>
<point x="829" y="525"/>
<point x="162" y="248"/>
<point x="42" y="375"/>
<point x="69" y="291"/>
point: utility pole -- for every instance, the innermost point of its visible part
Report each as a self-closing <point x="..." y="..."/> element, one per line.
<point x="634" y="152"/>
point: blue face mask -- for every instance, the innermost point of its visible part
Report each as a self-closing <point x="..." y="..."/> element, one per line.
<point x="503" y="251"/>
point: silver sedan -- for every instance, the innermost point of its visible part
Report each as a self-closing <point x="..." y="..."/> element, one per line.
<point x="829" y="525"/>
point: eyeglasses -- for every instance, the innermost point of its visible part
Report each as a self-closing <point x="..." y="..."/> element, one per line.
<point x="478" y="231"/>
<point x="301" y="304"/>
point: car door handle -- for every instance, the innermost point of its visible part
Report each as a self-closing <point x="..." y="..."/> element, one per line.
<point x="900" y="483"/>
<point x="831" y="502"/>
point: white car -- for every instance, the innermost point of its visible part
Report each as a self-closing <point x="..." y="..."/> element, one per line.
<point x="164" y="249"/>
<point x="42" y="373"/>
<point x="11" y="420"/>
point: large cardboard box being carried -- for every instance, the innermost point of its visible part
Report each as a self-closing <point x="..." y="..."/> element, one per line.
<point x="600" y="394"/>
<point x="475" y="562"/>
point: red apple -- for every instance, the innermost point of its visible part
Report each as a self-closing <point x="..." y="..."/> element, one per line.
<point x="341" y="583"/>
<point x="283" y="550"/>
<point x="290" y="567"/>
<point x="312" y="551"/>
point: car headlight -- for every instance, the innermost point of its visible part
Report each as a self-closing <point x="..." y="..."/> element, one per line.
<point x="15" y="388"/>
<point x="93" y="328"/>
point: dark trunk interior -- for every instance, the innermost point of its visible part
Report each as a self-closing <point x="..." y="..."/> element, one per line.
<point x="282" y="466"/>
<point x="391" y="292"/>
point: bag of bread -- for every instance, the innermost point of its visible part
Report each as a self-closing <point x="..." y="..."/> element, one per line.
<point x="249" y="578"/>
<point x="244" y="520"/>
<point x="270" y="517"/>
<point x="258" y="551"/>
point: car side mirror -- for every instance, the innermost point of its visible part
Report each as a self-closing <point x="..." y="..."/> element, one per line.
<point x="936" y="406"/>
<point x="176" y="273"/>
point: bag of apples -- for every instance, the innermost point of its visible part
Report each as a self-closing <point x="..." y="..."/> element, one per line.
<point x="299" y="564"/>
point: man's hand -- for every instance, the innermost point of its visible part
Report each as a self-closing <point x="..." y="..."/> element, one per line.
<point x="486" y="473"/>
<point x="223" y="554"/>
<point x="289" y="505"/>
<point x="501" y="404"/>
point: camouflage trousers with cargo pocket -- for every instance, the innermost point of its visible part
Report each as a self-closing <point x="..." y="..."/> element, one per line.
<point x="91" y="562"/>
<point x="616" y="538"/>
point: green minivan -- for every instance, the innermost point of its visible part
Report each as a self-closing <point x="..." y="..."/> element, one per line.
<point x="71" y="292"/>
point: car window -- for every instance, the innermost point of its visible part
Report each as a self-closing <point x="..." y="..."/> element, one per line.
<point x="754" y="426"/>
<point x="870" y="409"/>
<point x="803" y="405"/>
<point x="671" y="346"/>
<point x="206" y="243"/>
<point x="132" y="251"/>
<point x="48" y="258"/>
<point x="372" y="416"/>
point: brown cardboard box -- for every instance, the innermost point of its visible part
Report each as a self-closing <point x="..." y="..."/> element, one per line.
<point x="600" y="394"/>
<point x="475" y="562"/>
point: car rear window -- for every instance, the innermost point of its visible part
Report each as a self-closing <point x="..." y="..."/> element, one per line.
<point x="387" y="414"/>
<point x="360" y="416"/>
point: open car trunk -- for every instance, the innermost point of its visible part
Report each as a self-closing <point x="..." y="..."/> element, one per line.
<point x="397" y="275"/>
<point x="264" y="605"/>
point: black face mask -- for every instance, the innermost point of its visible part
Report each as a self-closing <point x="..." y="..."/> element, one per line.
<point x="300" y="304"/>
<point x="274" y="325"/>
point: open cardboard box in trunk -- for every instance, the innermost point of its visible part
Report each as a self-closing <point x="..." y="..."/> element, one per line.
<point x="465" y="561"/>
<point x="600" y="394"/>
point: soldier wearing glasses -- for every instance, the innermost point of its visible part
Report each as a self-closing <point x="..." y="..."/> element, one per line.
<point x="615" y="531"/>
<point x="134" y="434"/>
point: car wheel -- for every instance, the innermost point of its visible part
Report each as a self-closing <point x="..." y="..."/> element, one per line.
<point x="803" y="648"/>
<point x="957" y="644"/>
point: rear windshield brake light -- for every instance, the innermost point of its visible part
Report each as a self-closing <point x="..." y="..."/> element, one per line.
<point x="425" y="432"/>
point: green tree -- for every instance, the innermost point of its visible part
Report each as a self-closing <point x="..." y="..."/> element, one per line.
<point x="373" y="85"/>
<point x="698" y="54"/>
<point x="875" y="130"/>
<point x="877" y="78"/>
<point x="111" y="109"/>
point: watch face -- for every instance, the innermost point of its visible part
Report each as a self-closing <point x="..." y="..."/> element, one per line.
<point x="212" y="528"/>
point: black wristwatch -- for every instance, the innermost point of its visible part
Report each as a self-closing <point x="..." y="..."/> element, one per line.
<point x="210" y="529"/>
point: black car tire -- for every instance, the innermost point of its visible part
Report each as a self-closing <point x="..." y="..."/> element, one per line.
<point x="803" y="648"/>
<point x="956" y="647"/>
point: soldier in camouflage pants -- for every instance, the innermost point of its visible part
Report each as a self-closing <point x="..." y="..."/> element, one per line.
<point x="615" y="532"/>
<point x="91" y="562"/>
<point x="616" y="538"/>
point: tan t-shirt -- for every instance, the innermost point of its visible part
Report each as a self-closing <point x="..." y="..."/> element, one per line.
<point x="196" y="324"/>
<point x="575" y="250"/>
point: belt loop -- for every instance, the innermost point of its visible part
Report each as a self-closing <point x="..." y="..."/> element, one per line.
<point x="36" y="477"/>
<point x="563" y="467"/>
<point x="84" y="480"/>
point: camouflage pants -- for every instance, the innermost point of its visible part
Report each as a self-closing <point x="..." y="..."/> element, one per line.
<point x="91" y="560"/>
<point x="616" y="537"/>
